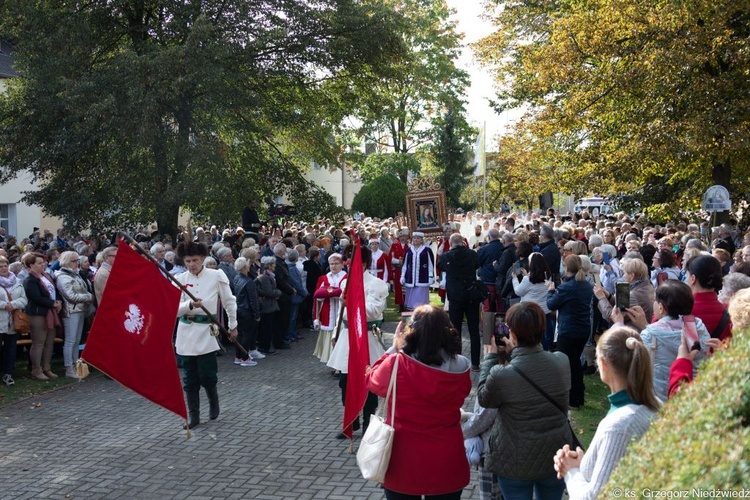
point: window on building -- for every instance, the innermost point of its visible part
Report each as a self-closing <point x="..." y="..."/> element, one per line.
<point x="4" y="210"/>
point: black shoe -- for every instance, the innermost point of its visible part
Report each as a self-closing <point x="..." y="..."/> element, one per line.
<point x="192" y="424"/>
<point x="213" y="400"/>
<point x="341" y="435"/>
<point x="194" y="410"/>
<point x="284" y="346"/>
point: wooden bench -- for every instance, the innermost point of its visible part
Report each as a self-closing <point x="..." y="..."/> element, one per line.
<point x="25" y="339"/>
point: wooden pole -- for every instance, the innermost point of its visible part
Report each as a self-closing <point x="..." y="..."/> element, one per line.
<point x="343" y="295"/>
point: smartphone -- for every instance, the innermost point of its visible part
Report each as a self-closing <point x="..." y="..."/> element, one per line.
<point x="622" y="295"/>
<point x="597" y="279"/>
<point x="691" y="333"/>
<point x="501" y="330"/>
<point x="605" y="256"/>
<point x="517" y="268"/>
<point x="406" y="317"/>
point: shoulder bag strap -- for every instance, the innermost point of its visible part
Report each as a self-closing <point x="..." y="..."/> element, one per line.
<point x="722" y="324"/>
<point x="391" y="394"/>
<point x="541" y="391"/>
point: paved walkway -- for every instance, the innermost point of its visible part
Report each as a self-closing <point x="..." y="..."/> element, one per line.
<point x="274" y="439"/>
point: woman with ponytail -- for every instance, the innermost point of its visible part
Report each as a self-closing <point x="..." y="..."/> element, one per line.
<point x="573" y="303"/>
<point x="625" y="366"/>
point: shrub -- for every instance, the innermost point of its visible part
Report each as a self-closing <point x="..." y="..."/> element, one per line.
<point x="702" y="437"/>
<point x="382" y="197"/>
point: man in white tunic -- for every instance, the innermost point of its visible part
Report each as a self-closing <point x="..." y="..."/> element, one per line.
<point x="195" y="344"/>
<point x="376" y="295"/>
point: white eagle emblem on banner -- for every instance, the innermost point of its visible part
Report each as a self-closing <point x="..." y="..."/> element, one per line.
<point x="133" y="319"/>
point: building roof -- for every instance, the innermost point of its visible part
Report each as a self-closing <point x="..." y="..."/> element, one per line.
<point x="6" y="60"/>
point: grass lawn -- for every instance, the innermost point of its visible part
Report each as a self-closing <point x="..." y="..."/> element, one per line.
<point x="391" y="313"/>
<point x="27" y="387"/>
<point x="586" y="420"/>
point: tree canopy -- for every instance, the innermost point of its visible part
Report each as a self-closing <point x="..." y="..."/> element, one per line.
<point x="129" y="111"/>
<point x="450" y="155"/>
<point x="396" y="108"/>
<point x="620" y="95"/>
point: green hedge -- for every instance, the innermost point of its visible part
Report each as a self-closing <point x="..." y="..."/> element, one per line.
<point x="701" y="440"/>
<point x="383" y="197"/>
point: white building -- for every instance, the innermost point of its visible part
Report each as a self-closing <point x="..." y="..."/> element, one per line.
<point x="339" y="183"/>
<point x="18" y="218"/>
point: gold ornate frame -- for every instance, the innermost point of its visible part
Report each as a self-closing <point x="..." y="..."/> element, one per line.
<point x="425" y="207"/>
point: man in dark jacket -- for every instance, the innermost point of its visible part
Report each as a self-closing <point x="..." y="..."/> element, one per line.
<point x="549" y="250"/>
<point x="460" y="265"/>
<point x="487" y="255"/>
<point x="506" y="260"/>
<point x="283" y="283"/>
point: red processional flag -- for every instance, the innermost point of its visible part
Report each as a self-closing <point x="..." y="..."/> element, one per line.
<point x="359" y="348"/>
<point x="131" y="338"/>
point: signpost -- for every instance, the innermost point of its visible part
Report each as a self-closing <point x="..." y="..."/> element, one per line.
<point x="716" y="199"/>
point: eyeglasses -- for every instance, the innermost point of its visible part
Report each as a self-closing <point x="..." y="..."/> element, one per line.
<point x="75" y="260"/>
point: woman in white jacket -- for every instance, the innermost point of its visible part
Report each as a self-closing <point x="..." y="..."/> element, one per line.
<point x="11" y="298"/>
<point x="76" y="299"/>
<point x="625" y="366"/>
<point x="533" y="288"/>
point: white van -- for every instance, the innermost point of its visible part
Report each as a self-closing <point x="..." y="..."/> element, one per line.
<point x="595" y="206"/>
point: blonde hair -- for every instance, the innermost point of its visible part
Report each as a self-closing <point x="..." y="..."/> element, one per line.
<point x="636" y="267"/>
<point x="521" y="235"/>
<point x="739" y="310"/>
<point x="623" y="350"/>
<point x="574" y="267"/>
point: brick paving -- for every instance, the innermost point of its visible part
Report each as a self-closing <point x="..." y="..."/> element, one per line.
<point x="274" y="439"/>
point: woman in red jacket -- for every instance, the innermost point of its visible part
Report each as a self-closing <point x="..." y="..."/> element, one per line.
<point x="432" y="381"/>
<point x="704" y="278"/>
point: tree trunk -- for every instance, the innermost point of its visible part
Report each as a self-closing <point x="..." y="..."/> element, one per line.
<point x="721" y="174"/>
<point x="166" y="219"/>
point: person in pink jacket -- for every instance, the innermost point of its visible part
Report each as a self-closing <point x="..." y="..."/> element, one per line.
<point x="432" y="382"/>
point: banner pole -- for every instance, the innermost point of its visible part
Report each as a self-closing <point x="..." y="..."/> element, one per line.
<point x="343" y="299"/>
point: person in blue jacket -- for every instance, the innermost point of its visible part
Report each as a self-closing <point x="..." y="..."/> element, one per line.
<point x="572" y="301"/>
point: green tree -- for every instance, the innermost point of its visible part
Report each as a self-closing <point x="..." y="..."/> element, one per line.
<point x="397" y="164"/>
<point x="624" y="94"/>
<point x="450" y="154"/>
<point x="382" y="197"/>
<point x="129" y="111"/>
<point x="396" y="107"/>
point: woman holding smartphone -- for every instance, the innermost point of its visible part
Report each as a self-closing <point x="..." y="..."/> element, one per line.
<point x="528" y="428"/>
<point x="432" y="382"/>
<point x="672" y="308"/>
<point x="637" y="287"/>
<point x="533" y="288"/>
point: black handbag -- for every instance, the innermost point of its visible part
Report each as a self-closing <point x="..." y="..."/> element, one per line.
<point x="576" y="442"/>
<point x="477" y="291"/>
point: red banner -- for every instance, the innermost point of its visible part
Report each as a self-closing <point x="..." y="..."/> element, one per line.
<point x="131" y="338"/>
<point x="359" y="349"/>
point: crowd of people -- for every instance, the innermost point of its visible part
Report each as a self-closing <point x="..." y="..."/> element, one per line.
<point x="546" y="297"/>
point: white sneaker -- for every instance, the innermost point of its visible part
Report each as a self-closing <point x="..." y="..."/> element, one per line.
<point x="237" y="361"/>
<point x="248" y="362"/>
<point x="256" y="354"/>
